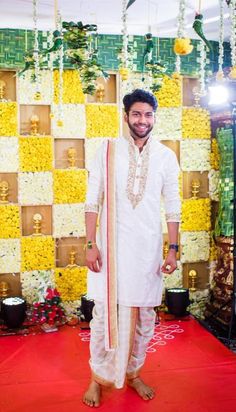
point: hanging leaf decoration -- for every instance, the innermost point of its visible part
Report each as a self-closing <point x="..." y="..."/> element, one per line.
<point x="198" y="28"/>
<point x="130" y="3"/>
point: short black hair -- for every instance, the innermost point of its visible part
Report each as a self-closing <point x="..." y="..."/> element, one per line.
<point x="139" y="95"/>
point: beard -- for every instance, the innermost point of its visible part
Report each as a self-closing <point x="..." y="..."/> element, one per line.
<point x="139" y="134"/>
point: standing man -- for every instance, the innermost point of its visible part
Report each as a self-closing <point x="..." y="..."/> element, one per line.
<point x="127" y="180"/>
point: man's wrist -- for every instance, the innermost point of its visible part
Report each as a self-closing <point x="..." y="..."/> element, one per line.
<point x="174" y="246"/>
<point x="89" y="244"/>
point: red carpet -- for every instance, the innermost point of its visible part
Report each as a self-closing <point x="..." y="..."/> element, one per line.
<point x="189" y="368"/>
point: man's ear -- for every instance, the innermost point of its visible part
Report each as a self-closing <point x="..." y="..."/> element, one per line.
<point x="125" y="117"/>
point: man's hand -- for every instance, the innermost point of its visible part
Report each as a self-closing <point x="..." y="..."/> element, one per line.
<point x="170" y="263"/>
<point x="93" y="259"/>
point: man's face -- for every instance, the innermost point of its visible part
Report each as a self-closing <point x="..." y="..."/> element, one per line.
<point x="140" y="119"/>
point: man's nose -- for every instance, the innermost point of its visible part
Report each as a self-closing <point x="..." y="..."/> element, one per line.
<point x="142" y="118"/>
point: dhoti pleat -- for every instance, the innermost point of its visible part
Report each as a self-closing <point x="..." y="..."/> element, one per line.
<point x="135" y="329"/>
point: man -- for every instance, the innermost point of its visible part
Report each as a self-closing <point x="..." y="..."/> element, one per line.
<point x="127" y="180"/>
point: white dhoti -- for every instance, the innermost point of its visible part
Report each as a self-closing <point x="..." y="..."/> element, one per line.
<point x="135" y="329"/>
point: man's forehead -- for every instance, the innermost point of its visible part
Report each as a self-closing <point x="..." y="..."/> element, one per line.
<point x="141" y="107"/>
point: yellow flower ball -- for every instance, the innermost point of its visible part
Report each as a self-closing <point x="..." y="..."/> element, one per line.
<point x="182" y="46"/>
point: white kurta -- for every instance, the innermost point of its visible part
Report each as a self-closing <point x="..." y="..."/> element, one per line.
<point x="138" y="226"/>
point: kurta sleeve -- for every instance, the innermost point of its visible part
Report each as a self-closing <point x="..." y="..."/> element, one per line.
<point x="95" y="183"/>
<point x="170" y="190"/>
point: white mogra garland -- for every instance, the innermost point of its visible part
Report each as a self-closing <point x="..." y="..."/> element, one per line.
<point x="9" y="255"/>
<point x="168" y="124"/>
<point x="195" y="155"/>
<point x="221" y="38"/>
<point x="9" y="154"/>
<point x="68" y="220"/>
<point x="35" y="188"/>
<point x="232" y="6"/>
<point x="74" y="124"/>
<point x="214" y="176"/>
<point x="194" y="246"/>
<point x="35" y="283"/>
<point x="27" y="88"/>
<point x="180" y="30"/>
<point x="202" y="67"/>
<point x="36" y="47"/>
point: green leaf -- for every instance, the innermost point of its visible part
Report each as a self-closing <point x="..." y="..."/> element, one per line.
<point x="130" y="3"/>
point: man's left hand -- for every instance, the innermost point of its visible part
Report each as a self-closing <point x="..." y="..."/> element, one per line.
<point x="170" y="263"/>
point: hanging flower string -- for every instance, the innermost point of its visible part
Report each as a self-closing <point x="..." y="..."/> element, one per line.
<point x="202" y="48"/>
<point x="37" y="95"/>
<point x="60" y="94"/>
<point x="123" y="55"/>
<point x="50" y="66"/>
<point x="182" y="44"/>
<point x="232" y="6"/>
<point x="220" y="74"/>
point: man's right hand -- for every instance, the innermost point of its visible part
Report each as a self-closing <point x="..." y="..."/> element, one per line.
<point x="93" y="259"/>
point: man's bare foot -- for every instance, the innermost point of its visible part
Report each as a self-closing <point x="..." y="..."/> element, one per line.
<point x="92" y="395"/>
<point x="146" y="392"/>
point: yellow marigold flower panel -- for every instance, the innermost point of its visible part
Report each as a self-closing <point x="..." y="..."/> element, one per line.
<point x="36" y="154"/>
<point x="8" y="119"/>
<point x="102" y="120"/>
<point x="72" y="87"/>
<point x="196" y="123"/>
<point x="196" y="215"/>
<point x="71" y="282"/>
<point x="170" y="94"/>
<point x="69" y="185"/>
<point x="37" y="253"/>
<point x="9" y="221"/>
<point x="215" y="155"/>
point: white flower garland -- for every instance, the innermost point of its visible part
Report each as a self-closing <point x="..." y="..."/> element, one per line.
<point x="36" y="49"/>
<point x="71" y="307"/>
<point x="68" y="220"/>
<point x="232" y="6"/>
<point x="180" y="30"/>
<point x="221" y="38"/>
<point x="195" y="155"/>
<point x="213" y="177"/>
<point x="202" y="48"/>
<point x="168" y="124"/>
<point x="27" y="88"/>
<point x="9" y="154"/>
<point x="74" y="124"/>
<point x="35" y="188"/>
<point x="35" y="283"/>
<point x="194" y="246"/>
<point x="9" y="255"/>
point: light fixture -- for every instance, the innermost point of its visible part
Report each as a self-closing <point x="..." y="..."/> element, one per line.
<point x="218" y="95"/>
<point x="177" y="301"/>
<point x="13" y="310"/>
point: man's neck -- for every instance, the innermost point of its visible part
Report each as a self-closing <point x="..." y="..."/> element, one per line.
<point x="141" y="142"/>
